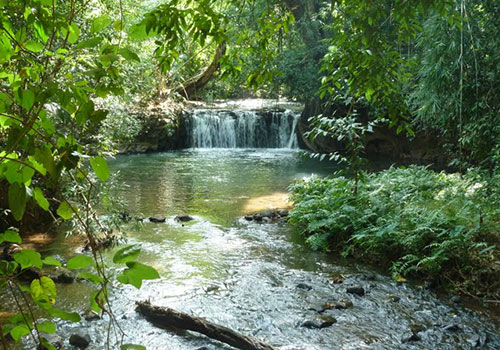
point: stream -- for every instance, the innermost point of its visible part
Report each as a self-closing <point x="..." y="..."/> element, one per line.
<point x="257" y="278"/>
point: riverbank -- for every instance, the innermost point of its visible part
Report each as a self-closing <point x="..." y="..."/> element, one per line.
<point x="438" y="227"/>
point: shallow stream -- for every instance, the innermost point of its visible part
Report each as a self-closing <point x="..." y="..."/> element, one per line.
<point x="259" y="279"/>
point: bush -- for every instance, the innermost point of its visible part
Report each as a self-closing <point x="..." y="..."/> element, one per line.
<point x="414" y="220"/>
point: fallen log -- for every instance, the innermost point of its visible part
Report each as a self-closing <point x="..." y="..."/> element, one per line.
<point x="165" y="317"/>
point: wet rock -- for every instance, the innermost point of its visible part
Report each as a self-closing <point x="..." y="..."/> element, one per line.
<point x="80" y="341"/>
<point x="337" y="279"/>
<point x="157" y="219"/>
<point x="257" y="217"/>
<point x="53" y="339"/>
<point x="282" y="212"/>
<point x="125" y="216"/>
<point x="451" y="328"/>
<point x="319" y="308"/>
<point x="338" y="304"/>
<point x="356" y="290"/>
<point x="478" y="340"/>
<point x="456" y="299"/>
<point x="184" y="218"/>
<point x="394" y="298"/>
<point x="248" y="217"/>
<point x="411" y="338"/>
<point x="10" y="250"/>
<point x="320" y="322"/>
<point x="303" y="285"/>
<point x="62" y="275"/>
<point x="267" y="220"/>
<point x="267" y="213"/>
<point x="91" y="316"/>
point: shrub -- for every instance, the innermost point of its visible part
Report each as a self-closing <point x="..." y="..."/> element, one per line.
<point x="414" y="220"/>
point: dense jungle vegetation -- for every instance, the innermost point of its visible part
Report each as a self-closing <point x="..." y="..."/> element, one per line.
<point x="72" y="71"/>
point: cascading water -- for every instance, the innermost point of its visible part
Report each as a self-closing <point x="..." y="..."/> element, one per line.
<point x="242" y="129"/>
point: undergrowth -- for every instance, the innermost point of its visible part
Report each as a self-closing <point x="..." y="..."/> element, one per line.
<point x="413" y="220"/>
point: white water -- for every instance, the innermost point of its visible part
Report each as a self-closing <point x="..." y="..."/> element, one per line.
<point x="242" y="129"/>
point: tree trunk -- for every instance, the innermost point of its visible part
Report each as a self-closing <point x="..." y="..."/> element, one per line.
<point x="189" y="88"/>
<point x="169" y="318"/>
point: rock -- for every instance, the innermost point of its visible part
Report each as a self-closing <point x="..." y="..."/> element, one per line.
<point x="267" y="213"/>
<point x="124" y="216"/>
<point x="183" y="218"/>
<point x="10" y="250"/>
<point x="283" y="212"/>
<point x="321" y="322"/>
<point x="456" y="299"/>
<point x="157" y="219"/>
<point x="257" y="217"/>
<point x="451" y="328"/>
<point x="302" y="285"/>
<point x="248" y="217"/>
<point x="62" y="275"/>
<point x="91" y="316"/>
<point x="80" y="341"/>
<point x="394" y="298"/>
<point x="53" y="339"/>
<point x="411" y="338"/>
<point x="356" y="290"/>
<point x="319" y="308"/>
<point x="267" y="220"/>
<point x="339" y="305"/>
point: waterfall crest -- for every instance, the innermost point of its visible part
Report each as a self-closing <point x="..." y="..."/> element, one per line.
<point x="242" y="129"/>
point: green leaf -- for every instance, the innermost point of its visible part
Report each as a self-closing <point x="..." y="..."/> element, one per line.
<point x="19" y="331"/>
<point x="33" y="46"/>
<point x="136" y="273"/>
<point x="28" y="258"/>
<point x="40" y="199"/>
<point x="65" y="211"/>
<point x="129" y="55"/>
<point x="27" y="99"/>
<point x="47" y="345"/>
<point x="100" y="23"/>
<point x="100" y="167"/>
<point x="91" y="277"/>
<point x="64" y="315"/>
<point x="47" y="327"/>
<point x="79" y="262"/>
<point x="51" y="261"/>
<point x="93" y="42"/>
<point x="10" y="236"/>
<point x="132" y="347"/>
<point x="126" y="254"/>
<point x="74" y="33"/>
<point x="17" y="200"/>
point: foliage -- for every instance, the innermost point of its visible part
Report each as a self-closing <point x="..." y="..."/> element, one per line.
<point x="420" y="222"/>
<point x="456" y="92"/>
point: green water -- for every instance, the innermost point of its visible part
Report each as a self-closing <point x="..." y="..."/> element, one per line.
<point x="245" y="275"/>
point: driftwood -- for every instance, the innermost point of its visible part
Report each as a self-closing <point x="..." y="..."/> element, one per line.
<point x="165" y="317"/>
<point x="189" y="88"/>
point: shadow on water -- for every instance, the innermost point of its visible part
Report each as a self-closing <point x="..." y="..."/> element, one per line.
<point x="259" y="279"/>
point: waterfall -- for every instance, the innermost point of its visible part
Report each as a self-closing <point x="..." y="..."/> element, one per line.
<point x="242" y="129"/>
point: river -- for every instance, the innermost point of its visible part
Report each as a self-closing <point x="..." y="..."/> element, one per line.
<point x="259" y="279"/>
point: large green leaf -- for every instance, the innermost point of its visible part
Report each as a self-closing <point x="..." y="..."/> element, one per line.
<point x="40" y="198"/>
<point x="100" y="167"/>
<point x="65" y="211"/>
<point x="51" y="261"/>
<point x="100" y="23"/>
<point x="47" y="327"/>
<point x="19" y="331"/>
<point x="79" y="262"/>
<point x="132" y="347"/>
<point x="17" y="200"/>
<point x="129" y="55"/>
<point x="64" y="315"/>
<point x="91" y="277"/>
<point x="28" y="258"/>
<point x="126" y="254"/>
<point x="27" y="99"/>
<point x="136" y="273"/>
<point x="10" y="236"/>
